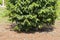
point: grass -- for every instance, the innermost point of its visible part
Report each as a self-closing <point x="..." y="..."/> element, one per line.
<point x="58" y="10"/>
<point x="3" y="14"/>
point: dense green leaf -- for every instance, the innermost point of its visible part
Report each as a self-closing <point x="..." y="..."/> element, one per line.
<point x="30" y="14"/>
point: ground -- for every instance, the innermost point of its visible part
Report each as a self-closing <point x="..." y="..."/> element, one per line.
<point x="7" y="34"/>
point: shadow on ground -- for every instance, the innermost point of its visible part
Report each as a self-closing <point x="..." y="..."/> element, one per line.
<point x="44" y="29"/>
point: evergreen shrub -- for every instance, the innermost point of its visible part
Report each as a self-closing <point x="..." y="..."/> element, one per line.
<point x="31" y="14"/>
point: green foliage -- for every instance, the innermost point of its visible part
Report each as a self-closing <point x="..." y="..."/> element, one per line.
<point x="0" y="1"/>
<point x="30" y="14"/>
<point x="3" y="12"/>
<point x="58" y="8"/>
<point x="6" y="1"/>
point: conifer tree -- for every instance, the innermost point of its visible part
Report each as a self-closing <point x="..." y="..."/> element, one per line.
<point x="30" y="14"/>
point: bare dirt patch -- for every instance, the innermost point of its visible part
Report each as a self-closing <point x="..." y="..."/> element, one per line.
<point x="6" y="34"/>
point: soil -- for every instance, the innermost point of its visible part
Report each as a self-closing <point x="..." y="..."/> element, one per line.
<point x="7" y="34"/>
